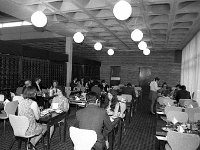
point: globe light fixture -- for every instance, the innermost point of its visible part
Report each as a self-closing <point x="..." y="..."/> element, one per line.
<point x="122" y="10"/>
<point x="78" y="37"/>
<point x="146" y="51"/>
<point x="98" y="46"/>
<point x="142" y="45"/>
<point x="110" y="52"/>
<point x="136" y="35"/>
<point x="39" y="19"/>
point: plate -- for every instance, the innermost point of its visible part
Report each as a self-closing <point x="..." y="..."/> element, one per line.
<point x="58" y="111"/>
<point x="165" y="129"/>
<point x="160" y="112"/>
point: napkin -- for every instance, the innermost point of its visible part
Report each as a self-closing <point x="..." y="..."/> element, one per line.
<point x="190" y="106"/>
<point x="54" y="105"/>
<point x="6" y="101"/>
<point x="174" y="120"/>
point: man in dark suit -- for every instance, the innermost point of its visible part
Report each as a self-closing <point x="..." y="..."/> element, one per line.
<point x="94" y="118"/>
<point x="182" y="94"/>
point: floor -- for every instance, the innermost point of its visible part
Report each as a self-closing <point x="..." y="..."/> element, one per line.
<point x="139" y="134"/>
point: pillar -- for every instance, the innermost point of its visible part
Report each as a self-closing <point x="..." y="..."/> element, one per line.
<point x="69" y="51"/>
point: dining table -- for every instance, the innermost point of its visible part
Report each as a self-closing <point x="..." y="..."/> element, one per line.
<point x="53" y="118"/>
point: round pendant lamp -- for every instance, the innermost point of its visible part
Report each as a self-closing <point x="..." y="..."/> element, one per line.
<point x="136" y="35"/>
<point x="39" y="19"/>
<point x="98" y="46"/>
<point x="142" y="45"/>
<point x="146" y="51"/>
<point x="110" y="52"/>
<point x="78" y="37"/>
<point x="122" y="10"/>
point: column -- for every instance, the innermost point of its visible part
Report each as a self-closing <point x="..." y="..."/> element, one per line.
<point x="69" y="51"/>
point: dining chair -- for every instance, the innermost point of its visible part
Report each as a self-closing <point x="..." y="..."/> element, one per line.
<point x="190" y="104"/>
<point x="172" y="108"/>
<point x="196" y="117"/>
<point x="181" y="141"/>
<point x="9" y="108"/>
<point x="191" y="112"/>
<point x="82" y="139"/>
<point x="1" y="97"/>
<point x="20" y="124"/>
<point x="181" y="117"/>
<point x="17" y="98"/>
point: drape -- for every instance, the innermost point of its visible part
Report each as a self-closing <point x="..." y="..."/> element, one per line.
<point x="190" y="67"/>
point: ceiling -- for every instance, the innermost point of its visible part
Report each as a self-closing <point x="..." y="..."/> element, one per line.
<point x="166" y="24"/>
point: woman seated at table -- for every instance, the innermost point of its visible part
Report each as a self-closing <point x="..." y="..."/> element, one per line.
<point x="53" y="88"/>
<point x="29" y="108"/>
<point x="59" y="102"/>
<point x="111" y="103"/>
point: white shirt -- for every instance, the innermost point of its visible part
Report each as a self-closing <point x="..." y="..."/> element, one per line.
<point x="154" y="86"/>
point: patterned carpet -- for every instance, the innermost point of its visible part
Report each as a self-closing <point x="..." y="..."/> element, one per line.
<point x="138" y="135"/>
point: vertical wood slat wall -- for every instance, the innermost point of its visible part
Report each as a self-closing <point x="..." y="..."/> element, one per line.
<point x="15" y="68"/>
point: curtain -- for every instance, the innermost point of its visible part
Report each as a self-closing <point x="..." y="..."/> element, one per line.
<point x="190" y="68"/>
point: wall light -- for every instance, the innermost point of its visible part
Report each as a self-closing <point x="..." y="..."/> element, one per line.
<point x="136" y="35"/>
<point x="110" y="52"/>
<point x="39" y="19"/>
<point x="122" y="10"/>
<point x="98" y="46"/>
<point x="142" y="45"/>
<point x="146" y="51"/>
<point x="78" y="37"/>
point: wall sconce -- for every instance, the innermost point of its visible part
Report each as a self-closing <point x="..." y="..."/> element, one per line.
<point x="78" y="37"/>
<point x="122" y="10"/>
<point x="39" y="19"/>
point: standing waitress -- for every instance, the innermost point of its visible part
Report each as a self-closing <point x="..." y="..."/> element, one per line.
<point x="153" y="92"/>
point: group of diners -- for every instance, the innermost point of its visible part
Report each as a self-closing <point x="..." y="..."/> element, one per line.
<point x="92" y="117"/>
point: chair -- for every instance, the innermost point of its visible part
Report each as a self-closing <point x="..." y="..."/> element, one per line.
<point x="83" y="139"/>
<point x="17" y="98"/>
<point x="67" y="91"/>
<point x="172" y="108"/>
<point x="168" y="101"/>
<point x="127" y="97"/>
<point x="20" y="125"/>
<point x="181" y="117"/>
<point x="182" y="141"/>
<point x="190" y="104"/>
<point x="196" y="117"/>
<point x="1" y="97"/>
<point x="129" y="105"/>
<point x="191" y="112"/>
<point x="9" y="108"/>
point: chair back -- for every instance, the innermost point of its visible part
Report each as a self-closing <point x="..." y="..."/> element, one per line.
<point x="83" y="139"/>
<point x="17" y="98"/>
<point x="182" y="101"/>
<point x="1" y="97"/>
<point x="172" y="108"/>
<point x="122" y="109"/>
<point x="11" y="107"/>
<point x="190" y="104"/>
<point x="127" y="97"/>
<point x="168" y="102"/>
<point x="67" y="91"/>
<point x="181" y="117"/>
<point x="19" y="124"/>
<point x="182" y="141"/>
<point x="191" y="112"/>
<point x="196" y="117"/>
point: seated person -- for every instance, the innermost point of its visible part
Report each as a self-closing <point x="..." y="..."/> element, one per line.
<point x="29" y="108"/>
<point x="53" y="88"/>
<point x="94" y="118"/>
<point x="62" y="103"/>
<point x="129" y="90"/>
<point x="19" y="90"/>
<point x="111" y="103"/>
<point x="164" y="90"/>
<point x="96" y="89"/>
<point x="182" y="94"/>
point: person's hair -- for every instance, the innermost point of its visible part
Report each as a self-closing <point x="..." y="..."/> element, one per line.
<point x="103" y="81"/>
<point x="21" y="83"/>
<point x="29" y="92"/>
<point x="164" y="83"/>
<point x="183" y="87"/>
<point x="91" y="97"/>
<point x="114" y="100"/>
<point x="62" y="89"/>
<point x="178" y="86"/>
<point x="96" y="82"/>
<point x="157" y="79"/>
<point x="129" y="84"/>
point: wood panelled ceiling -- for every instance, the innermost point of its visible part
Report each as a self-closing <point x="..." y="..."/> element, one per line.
<point x="166" y="24"/>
